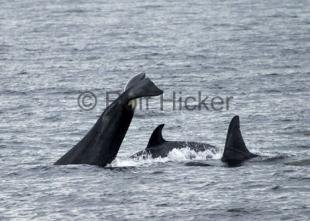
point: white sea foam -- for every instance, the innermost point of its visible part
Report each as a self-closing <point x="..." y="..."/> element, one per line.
<point x="176" y="155"/>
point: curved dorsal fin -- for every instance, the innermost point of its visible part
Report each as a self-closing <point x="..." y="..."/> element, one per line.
<point x="156" y="137"/>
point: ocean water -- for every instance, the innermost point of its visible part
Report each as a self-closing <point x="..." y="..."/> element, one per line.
<point x="257" y="52"/>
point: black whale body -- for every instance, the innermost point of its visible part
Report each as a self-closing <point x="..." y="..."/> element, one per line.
<point x="159" y="147"/>
<point x="101" y="144"/>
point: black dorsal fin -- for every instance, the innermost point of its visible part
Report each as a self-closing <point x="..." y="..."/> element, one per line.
<point x="235" y="148"/>
<point x="234" y="136"/>
<point x="156" y="137"/>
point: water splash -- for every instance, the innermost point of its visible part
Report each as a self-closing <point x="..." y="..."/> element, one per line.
<point x="176" y="155"/>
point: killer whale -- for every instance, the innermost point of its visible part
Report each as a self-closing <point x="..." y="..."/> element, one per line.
<point x="159" y="147"/>
<point x="101" y="144"/>
<point x="235" y="151"/>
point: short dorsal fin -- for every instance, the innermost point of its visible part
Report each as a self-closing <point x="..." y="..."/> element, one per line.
<point x="156" y="137"/>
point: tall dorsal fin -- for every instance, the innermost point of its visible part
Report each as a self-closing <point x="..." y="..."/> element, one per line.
<point x="234" y="137"/>
<point x="235" y="148"/>
<point x="156" y="137"/>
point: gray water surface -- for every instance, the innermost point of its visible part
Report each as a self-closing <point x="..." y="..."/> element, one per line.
<point x="258" y="52"/>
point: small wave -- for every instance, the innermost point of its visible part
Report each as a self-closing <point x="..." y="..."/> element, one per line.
<point x="76" y="10"/>
<point x="13" y="92"/>
<point x="272" y="74"/>
<point x="53" y="118"/>
<point x="271" y="157"/>
<point x="237" y="210"/>
<point x="272" y="91"/>
<point x="150" y="113"/>
<point x="305" y="162"/>
<point x="119" y="168"/>
<point x="23" y="72"/>
<point x="197" y="164"/>
<point x="149" y="7"/>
